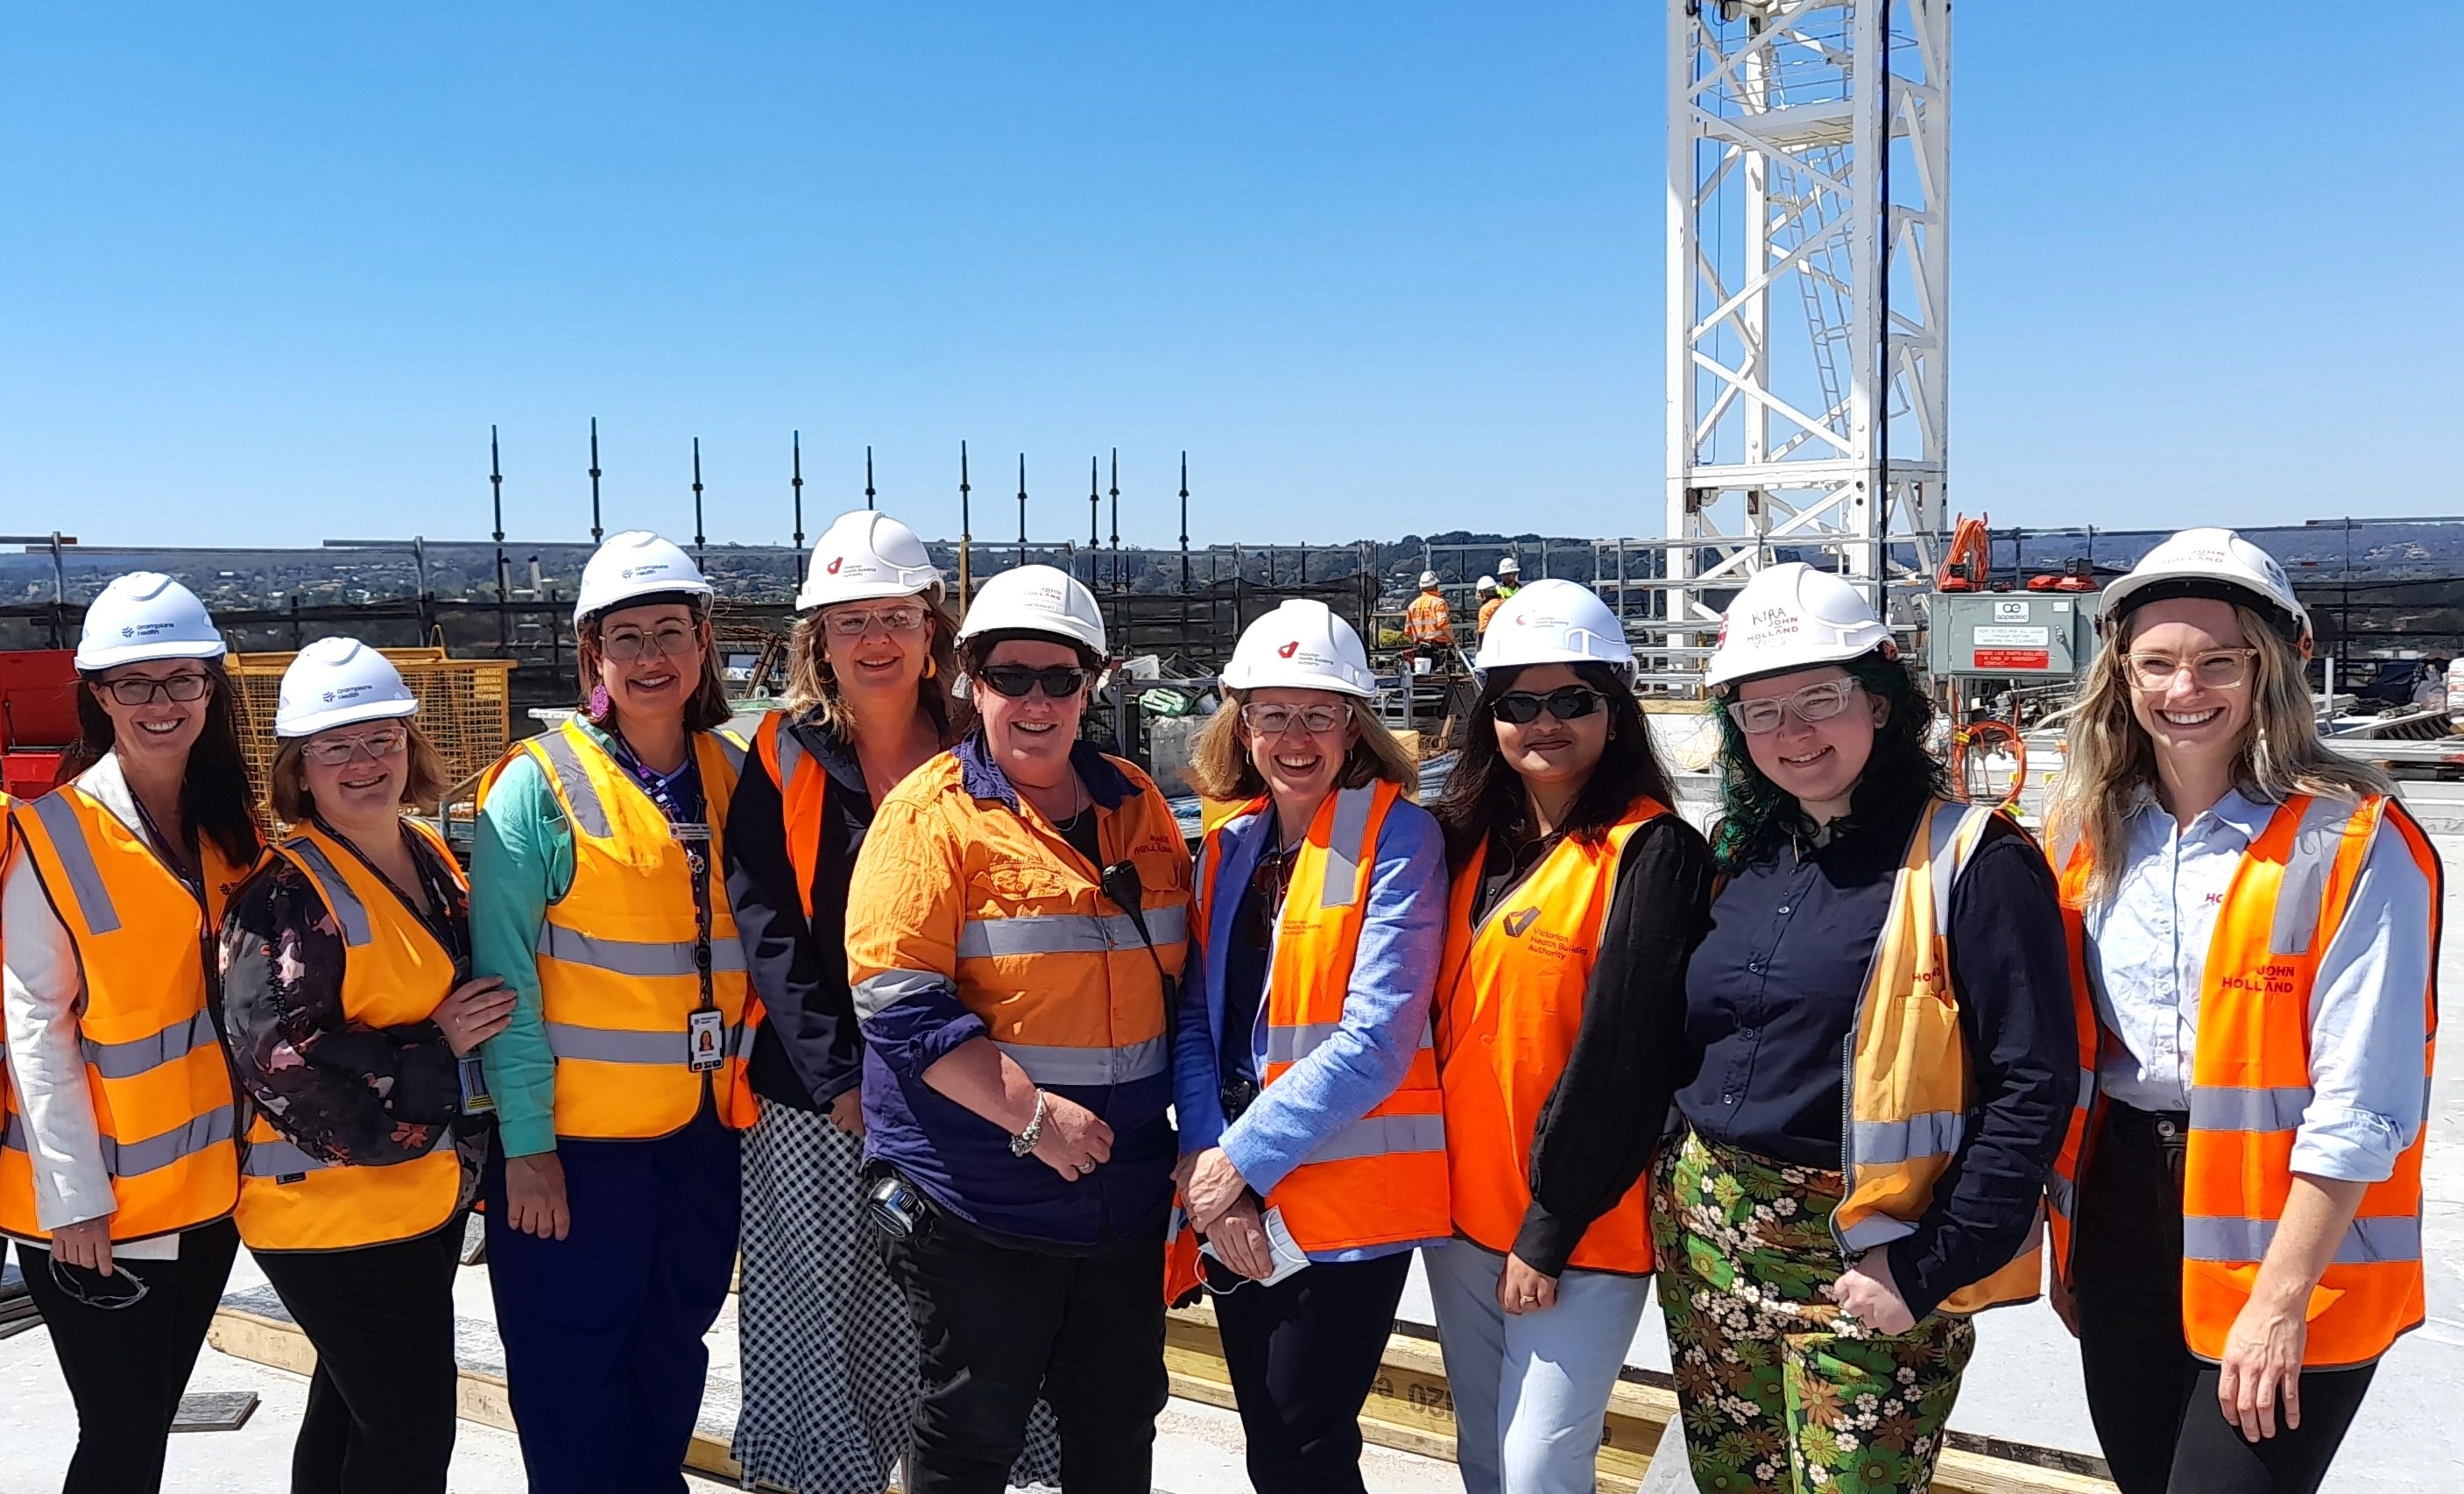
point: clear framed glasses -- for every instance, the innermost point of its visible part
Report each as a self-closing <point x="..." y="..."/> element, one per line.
<point x="1818" y="702"/>
<point x="855" y="622"/>
<point x="137" y="689"/>
<point x="1274" y="720"/>
<point x="631" y="645"/>
<point x="2215" y="668"/>
<point x="332" y="752"/>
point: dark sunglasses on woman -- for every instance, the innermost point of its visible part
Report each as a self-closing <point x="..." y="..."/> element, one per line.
<point x="1567" y="703"/>
<point x="1015" y="680"/>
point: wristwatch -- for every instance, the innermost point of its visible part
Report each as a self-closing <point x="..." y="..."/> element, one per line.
<point x="1024" y="1142"/>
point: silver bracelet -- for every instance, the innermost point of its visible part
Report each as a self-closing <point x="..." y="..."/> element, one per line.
<point x="1024" y="1142"/>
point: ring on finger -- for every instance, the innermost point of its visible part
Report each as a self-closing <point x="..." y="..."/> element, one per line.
<point x="1086" y="1167"/>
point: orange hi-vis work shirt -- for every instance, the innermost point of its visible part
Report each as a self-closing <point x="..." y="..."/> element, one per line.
<point x="163" y="1095"/>
<point x="2250" y="1082"/>
<point x="394" y="973"/>
<point x="1509" y="1002"/>
<point x="638" y="947"/>
<point x="1429" y="620"/>
<point x="1382" y="1179"/>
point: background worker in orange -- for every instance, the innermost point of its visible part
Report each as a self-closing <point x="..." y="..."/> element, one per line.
<point x="349" y="1016"/>
<point x="2237" y="1208"/>
<point x="1303" y="1076"/>
<point x="1577" y="895"/>
<point x="1428" y="622"/>
<point x="598" y="897"/>
<point x="1484" y="592"/>
<point x="1017" y="918"/>
<point x="828" y="1369"/>
<point x="120" y="1163"/>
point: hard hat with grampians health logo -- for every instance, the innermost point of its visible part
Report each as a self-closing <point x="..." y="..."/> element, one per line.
<point x="339" y="682"/>
<point x="633" y="564"/>
<point x="143" y="616"/>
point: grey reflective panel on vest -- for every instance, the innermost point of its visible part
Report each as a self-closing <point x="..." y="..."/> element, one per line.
<point x="77" y="858"/>
<point x="134" y="1159"/>
<point x="1345" y="877"/>
<point x="646" y="958"/>
<point x="141" y="1055"/>
<point x="349" y="912"/>
<point x="564" y="761"/>
<point x="1089" y="1067"/>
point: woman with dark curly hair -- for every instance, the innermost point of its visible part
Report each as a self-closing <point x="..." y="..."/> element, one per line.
<point x="1877" y="1028"/>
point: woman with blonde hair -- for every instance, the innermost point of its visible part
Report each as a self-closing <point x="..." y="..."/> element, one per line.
<point x="830" y="1360"/>
<point x="2236" y="1209"/>
<point x="1311" y="1135"/>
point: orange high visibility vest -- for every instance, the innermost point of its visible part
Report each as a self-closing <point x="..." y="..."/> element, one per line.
<point x="803" y="787"/>
<point x="619" y="955"/>
<point x="395" y="972"/>
<point x="1487" y="610"/>
<point x="2250" y="1083"/>
<point x="154" y="1062"/>
<point x="1511" y="995"/>
<point x="1428" y="619"/>
<point x="1382" y="1179"/>
<point x="1910" y="1085"/>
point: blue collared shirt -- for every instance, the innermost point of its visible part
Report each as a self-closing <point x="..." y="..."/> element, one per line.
<point x="2147" y="952"/>
<point x="1385" y="1012"/>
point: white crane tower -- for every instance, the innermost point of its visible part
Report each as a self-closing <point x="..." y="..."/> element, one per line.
<point x="1808" y="292"/>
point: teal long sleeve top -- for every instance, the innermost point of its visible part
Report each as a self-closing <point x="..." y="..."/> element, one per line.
<point x="522" y="862"/>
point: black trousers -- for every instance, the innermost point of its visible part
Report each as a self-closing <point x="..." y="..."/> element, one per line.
<point x="995" y="1324"/>
<point x="1303" y="1355"/>
<point x="127" y="1367"/>
<point x="2154" y="1402"/>
<point x="381" y="1405"/>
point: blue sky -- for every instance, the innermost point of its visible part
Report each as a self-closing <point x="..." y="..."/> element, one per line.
<point x="269" y="272"/>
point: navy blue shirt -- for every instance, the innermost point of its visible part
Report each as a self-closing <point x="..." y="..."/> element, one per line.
<point x="1773" y="988"/>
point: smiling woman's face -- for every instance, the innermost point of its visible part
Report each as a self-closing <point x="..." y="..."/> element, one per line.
<point x="650" y="658"/>
<point x="161" y="728"/>
<point x="1816" y="763"/>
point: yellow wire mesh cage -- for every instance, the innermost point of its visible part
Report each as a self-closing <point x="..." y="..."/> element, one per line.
<point x="465" y="706"/>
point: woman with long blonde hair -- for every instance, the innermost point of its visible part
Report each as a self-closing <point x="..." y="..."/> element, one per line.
<point x="2236" y="1209"/>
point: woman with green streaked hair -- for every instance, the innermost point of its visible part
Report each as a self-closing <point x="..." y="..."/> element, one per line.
<point x="1825" y="1228"/>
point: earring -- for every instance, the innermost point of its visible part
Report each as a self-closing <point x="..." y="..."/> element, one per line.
<point x="599" y="704"/>
<point x="932" y="668"/>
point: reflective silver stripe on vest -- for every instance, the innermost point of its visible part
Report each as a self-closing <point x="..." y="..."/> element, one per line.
<point x="732" y="748"/>
<point x="1291" y="1045"/>
<point x="615" y="1045"/>
<point x="2366" y="1241"/>
<point x="1384" y="1135"/>
<point x="885" y="990"/>
<point x="278" y="1159"/>
<point x="1089" y="1067"/>
<point x="77" y="858"/>
<point x="2215" y="1107"/>
<point x="348" y="910"/>
<point x="564" y="761"/>
<point x="141" y="1055"/>
<point x="1068" y="933"/>
<point x="2087" y="1088"/>
<point x="1931" y="1133"/>
<point x="1875" y="1229"/>
<point x="2062" y="1196"/>
<point x="1343" y="872"/>
<point x="2301" y="896"/>
<point x="650" y="958"/>
<point x="13" y="1135"/>
<point x="135" y="1158"/>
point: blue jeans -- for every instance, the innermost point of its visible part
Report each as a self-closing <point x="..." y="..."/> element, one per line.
<point x="602" y="1330"/>
<point x="1530" y="1392"/>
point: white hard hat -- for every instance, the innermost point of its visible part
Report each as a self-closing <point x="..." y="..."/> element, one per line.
<point x="1794" y="616"/>
<point x="635" y="563"/>
<point x="1555" y="621"/>
<point x="2216" y="563"/>
<point x="339" y="682"/>
<point x="1484" y="584"/>
<point x="1301" y="646"/>
<point x="1428" y="579"/>
<point x="141" y="615"/>
<point x="1035" y="598"/>
<point x="1509" y="566"/>
<point x="864" y="556"/>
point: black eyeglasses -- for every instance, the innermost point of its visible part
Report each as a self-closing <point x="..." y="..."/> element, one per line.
<point x="1015" y="680"/>
<point x="136" y="690"/>
<point x="1569" y="703"/>
<point x="121" y="1289"/>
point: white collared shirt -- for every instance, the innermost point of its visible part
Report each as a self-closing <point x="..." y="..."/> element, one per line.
<point x="2147" y="954"/>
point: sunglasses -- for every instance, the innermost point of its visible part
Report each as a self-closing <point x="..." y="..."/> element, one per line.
<point x="1814" y="703"/>
<point x="1569" y="703"/>
<point x="1015" y="680"/>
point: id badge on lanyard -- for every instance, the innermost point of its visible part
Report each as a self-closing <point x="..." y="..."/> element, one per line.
<point x="706" y="1029"/>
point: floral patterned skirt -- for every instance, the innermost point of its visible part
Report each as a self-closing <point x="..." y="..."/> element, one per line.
<point x="1779" y="1392"/>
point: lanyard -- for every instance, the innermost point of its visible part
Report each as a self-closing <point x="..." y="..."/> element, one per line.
<point x="679" y="797"/>
<point x="194" y="879"/>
